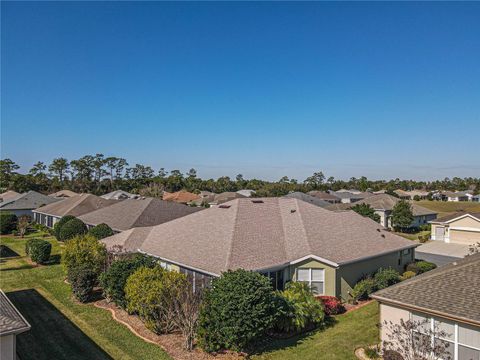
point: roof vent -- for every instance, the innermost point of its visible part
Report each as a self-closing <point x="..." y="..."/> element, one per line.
<point x="292" y="210"/>
<point x="224" y="206"/>
<point x="378" y="230"/>
<point x="257" y="201"/>
<point x="383" y="235"/>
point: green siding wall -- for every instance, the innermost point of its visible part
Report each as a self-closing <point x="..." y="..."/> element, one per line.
<point x="330" y="274"/>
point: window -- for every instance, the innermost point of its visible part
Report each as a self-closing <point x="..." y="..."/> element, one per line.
<point x="406" y="252"/>
<point x="315" y="278"/>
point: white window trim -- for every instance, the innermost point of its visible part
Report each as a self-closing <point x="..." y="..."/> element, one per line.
<point x="310" y="281"/>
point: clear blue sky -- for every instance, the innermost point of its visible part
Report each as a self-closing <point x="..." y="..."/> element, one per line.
<point x="267" y="89"/>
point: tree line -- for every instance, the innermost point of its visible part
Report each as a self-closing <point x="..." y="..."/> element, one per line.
<point x="99" y="174"/>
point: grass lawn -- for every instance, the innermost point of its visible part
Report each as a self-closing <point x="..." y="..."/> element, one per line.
<point x="413" y="236"/>
<point x="338" y="342"/>
<point x="447" y="207"/>
<point x="61" y="327"/>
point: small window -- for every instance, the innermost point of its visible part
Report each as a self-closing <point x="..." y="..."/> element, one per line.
<point x="315" y="278"/>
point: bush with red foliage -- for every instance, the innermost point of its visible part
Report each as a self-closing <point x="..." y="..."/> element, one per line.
<point x="331" y="305"/>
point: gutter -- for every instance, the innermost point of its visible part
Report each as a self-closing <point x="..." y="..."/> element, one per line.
<point x="378" y="254"/>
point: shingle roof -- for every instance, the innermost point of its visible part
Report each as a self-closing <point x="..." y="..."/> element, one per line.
<point x="382" y="202"/>
<point x="64" y="193"/>
<point x="27" y="201"/>
<point x="262" y="233"/>
<point x="452" y="290"/>
<point x="119" y="195"/>
<point x="308" y="198"/>
<point x="180" y="196"/>
<point x="350" y="195"/>
<point x="323" y="195"/>
<point x="131" y="213"/>
<point x="449" y="217"/>
<point x="76" y="205"/>
<point x="8" y="195"/>
<point x="11" y="321"/>
<point x="226" y="196"/>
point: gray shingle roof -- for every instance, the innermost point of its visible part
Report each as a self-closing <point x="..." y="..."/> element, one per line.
<point x="257" y="234"/>
<point x="449" y="217"/>
<point x="76" y="205"/>
<point x="11" y="321"/>
<point x="8" y="195"/>
<point x="323" y="195"/>
<point x="119" y="195"/>
<point x="131" y="213"/>
<point x="27" y="201"/>
<point x="452" y="290"/>
<point x="308" y="198"/>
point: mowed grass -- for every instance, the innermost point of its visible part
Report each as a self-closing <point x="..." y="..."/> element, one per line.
<point x="338" y="342"/>
<point x="61" y="327"/>
<point x="447" y="207"/>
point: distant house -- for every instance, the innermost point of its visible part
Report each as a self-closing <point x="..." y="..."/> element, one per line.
<point x="76" y="206"/>
<point x="246" y="192"/>
<point x="64" y="194"/>
<point x="182" y="197"/>
<point x="476" y="198"/>
<point x="308" y="198"/>
<point x="347" y="197"/>
<point x="25" y="203"/>
<point x="446" y="299"/>
<point x="12" y="323"/>
<point x="131" y="213"/>
<point x="460" y="228"/>
<point x="383" y="205"/>
<point x="283" y="238"/>
<point x="455" y="196"/>
<point x="8" y="195"/>
<point x="225" y="196"/>
<point x="332" y="199"/>
<point x="119" y="195"/>
<point x="411" y="195"/>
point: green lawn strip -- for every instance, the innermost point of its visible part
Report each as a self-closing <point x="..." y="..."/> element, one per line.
<point x="338" y="342"/>
<point x="412" y="236"/>
<point x="98" y="324"/>
<point x="448" y="207"/>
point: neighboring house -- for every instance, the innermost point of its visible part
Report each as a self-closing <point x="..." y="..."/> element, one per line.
<point x="64" y="194"/>
<point x="307" y="198"/>
<point x="26" y="202"/>
<point x="225" y="196"/>
<point x="447" y="298"/>
<point x="411" y="195"/>
<point x="351" y="191"/>
<point x="347" y="197"/>
<point x="246" y="192"/>
<point x="383" y="205"/>
<point x="12" y="323"/>
<point x="8" y="195"/>
<point x="455" y="196"/>
<point x="460" y="228"/>
<point x="76" y="206"/>
<point x="119" y="195"/>
<point x="332" y="199"/>
<point x="182" y="197"/>
<point x="131" y="213"/>
<point x="284" y="239"/>
<point x="476" y="198"/>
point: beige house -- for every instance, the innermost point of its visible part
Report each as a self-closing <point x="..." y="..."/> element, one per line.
<point x="285" y="239"/>
<point x="447" y="299"/>
<point x="460" y="228"/>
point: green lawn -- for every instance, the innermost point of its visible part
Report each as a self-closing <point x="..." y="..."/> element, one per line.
<point x="446" y="207"/>
<point x="413" y="236"/>
<point x="337" y="342"/>
<point x="61" y="327"/>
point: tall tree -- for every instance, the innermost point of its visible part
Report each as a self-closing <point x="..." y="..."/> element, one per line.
<point x="8" y="169"/>
<point x="367" y="211"/>
<point x="315" y="180"/>
<point x="402" y="215"/>
<point x="59" y="168"/>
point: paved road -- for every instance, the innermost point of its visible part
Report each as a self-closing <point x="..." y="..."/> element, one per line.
<point x="437" y="259"/>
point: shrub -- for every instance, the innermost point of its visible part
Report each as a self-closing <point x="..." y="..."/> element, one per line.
<point x="238" y="309"/>
<point x="59" y="224"/>
<point x="150" y="293"/>
<point x="84" y="250"/>
<point x="303" y="311"/>
<point x="331" y="305"/>
<point x="29" y="244"/>
<point x="114" y="279"/>
<point x="101" y="231"/>
<point x="386" y="277"/>
<point x="72" y="228"/>
<point x="419" y="267"/>
<point x="426" y="227"/>
<point x="392" y="355"/>
<point x="363" y="289"/>
<point x="407" y="275"/>
<point x="372" y="352"/>
<point x="40" y="251"/>
<point x="15" y="232"/>
<point x="8" y="222"/>
<point x="82" y="279"/>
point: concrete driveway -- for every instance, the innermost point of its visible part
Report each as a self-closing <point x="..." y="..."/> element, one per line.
<point x="441" y="253"/>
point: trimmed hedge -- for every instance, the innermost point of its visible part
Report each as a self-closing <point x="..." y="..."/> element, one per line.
<point x="58" y="225"/>
<point x="40" y="251"/>
<point x="237" y="311"/>
<point x="420" y="267"/>
<point x="363" y="289"/>
<point x="30" y="243"/>
<point x="72" y="228"/>
<point x="386" y="277"/>
<point x="82" y="279"/>
<point x="101" y="231"/>
<point x="8" y="222"/>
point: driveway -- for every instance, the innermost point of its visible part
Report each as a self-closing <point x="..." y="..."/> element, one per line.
<point x="441" y="253"/>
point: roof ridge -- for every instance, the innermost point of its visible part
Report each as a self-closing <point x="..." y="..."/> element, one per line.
<point x="76" y="203"/>
<point x="230" y="247"/>
<point x="304" y="231"/>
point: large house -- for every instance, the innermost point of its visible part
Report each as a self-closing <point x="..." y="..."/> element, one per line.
<point x="285" y="239"/>
<point x="131" y="213"/>
<point x="12" y="323"/>
<point x="446" y="298"/>
<point x="460" y="228"/>
<point x="383" y="205"/>
<point x="76" y="206"/>
<point x="25" y="203"/>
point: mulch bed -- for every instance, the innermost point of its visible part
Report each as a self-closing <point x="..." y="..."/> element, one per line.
<point x="351" y="307"/>
<point x="171" y="343"/>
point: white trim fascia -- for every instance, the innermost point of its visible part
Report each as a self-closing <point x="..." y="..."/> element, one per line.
<point x="16" y="331"/>
<point x="314" y="257"/>
<point x="379" y="254"/>
<point x="461" y="228"/>
<point x="455" y="219"/>
<point x="179" y="264"/>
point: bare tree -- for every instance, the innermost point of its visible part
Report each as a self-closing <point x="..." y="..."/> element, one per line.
<point x="416" y="340"/>
<point x="23" y="224"/>
<point x="186" y="310"/>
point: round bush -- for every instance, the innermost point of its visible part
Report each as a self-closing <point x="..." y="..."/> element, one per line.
<point x="58" y="225"/>
<point x="238" y="310"/>
<point x="407" y="275"/>
<point x="386" y="277"/>
<point x="72" y="228"/>
<point x="332" y="305"/>
<point x="82" y="279"/>
<point x="363" y="289"/>
<point x="8" y="222"/>
<point x="30" y="243"/>
<point x="114" y="279"/>
<point x="84" y="251"/>
<point x="101" y="231"/>
<point x="40" y="251"/>
<point x="424" y="266"/>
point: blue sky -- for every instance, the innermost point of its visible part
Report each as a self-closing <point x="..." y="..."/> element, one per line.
<point x="266" y="89"/>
